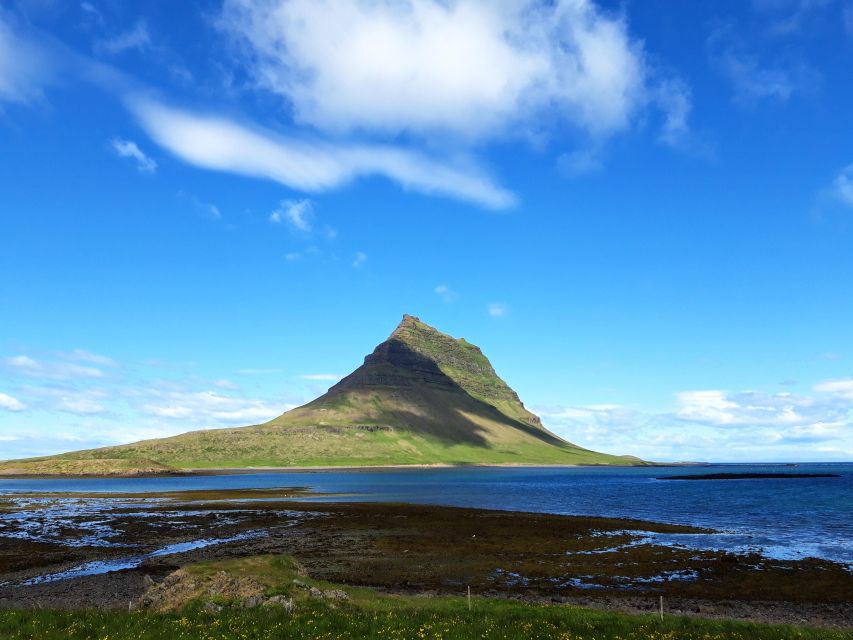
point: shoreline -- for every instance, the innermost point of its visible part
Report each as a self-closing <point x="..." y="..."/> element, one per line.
<point x="604" y="563"/>
<point x="218" y="471"/>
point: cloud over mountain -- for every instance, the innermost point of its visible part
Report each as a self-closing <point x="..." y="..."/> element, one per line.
<point x="467" y="68"/>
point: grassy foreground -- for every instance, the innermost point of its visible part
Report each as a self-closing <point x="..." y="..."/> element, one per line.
<point x="366" y="614"/>
<point x="444" y="618"/>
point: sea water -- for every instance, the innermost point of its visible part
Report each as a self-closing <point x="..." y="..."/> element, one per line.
<point x="781" y="518"/>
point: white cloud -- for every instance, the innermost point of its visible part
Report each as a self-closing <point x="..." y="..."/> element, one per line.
<point x="842" y="186"/>
<point x="313" y="166"/>
<point x="847" y="17"/>
<point x="359" y="260"/>
<point x="716" y="425"/>
<point x="297" y="213"/>
<point x="80" y="405"/>
<point x="751" y="408"/>
<point x="205" y="406"/>
<point x="9" y="403"/>
<point x="446" y="294"/>
<point x="497" y="309"/>
<point x="330" y="377"/>
<point x="129" y="149"/>
<point x="842" y="387"/>
<point x="52" y="370"/>
<point x="24" y="67"/>
<point x="468" y="68"/>
<point x="581" y="161"/>
<point x="92" y="11"/>
<point x="752" y="78"/>
<point x="82" y="355"/>
<point x="225" y="384"/>
<point x="70" y="395"/>
<point x="676" y="103"/>
<point x="788" y="16"/>
<point x="207" y="209"/>
<point x="136" y="38"/>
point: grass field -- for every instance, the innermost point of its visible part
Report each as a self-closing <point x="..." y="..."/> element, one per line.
<point x="446" y="618"/>
<point x="367" y="614"/>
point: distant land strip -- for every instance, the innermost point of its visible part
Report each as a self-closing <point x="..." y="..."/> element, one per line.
<point x="749" y="476"/>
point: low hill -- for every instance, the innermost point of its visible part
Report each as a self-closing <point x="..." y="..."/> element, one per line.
<point x="421" y="397"/>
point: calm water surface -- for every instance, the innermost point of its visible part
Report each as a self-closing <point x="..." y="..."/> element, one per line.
<point x="785" y="518"/>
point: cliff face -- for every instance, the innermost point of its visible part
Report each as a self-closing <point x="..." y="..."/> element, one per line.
<point x="416" y="353"/>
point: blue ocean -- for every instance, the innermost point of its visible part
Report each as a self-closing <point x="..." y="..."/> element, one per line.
<point x="780" y="518"/>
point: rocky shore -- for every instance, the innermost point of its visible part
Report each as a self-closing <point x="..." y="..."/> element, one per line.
<point x="138" y="546"/>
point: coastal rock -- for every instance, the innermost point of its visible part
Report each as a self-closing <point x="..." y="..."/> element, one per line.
<point x="252" y="602"/>
<point x="280" y="601"/>
<point x="180" y="587"/>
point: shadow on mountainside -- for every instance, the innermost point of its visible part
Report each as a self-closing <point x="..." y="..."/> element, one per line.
<point x="420" y="397"/>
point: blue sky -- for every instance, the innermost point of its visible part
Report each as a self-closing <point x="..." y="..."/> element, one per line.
<point x="641" y="211"/>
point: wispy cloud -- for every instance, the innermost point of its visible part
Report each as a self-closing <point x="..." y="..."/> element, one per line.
<point x="444" y="76"/>
<point x="581" y="162"/>
<point x="497" y="309"/>
<point x="137" y="38"/>
<point x="81" y="355"/>
<point x="787" y="17"/>
<point x="132" y="403"/>
<point x="842" y="387"/>
<point x="752" y="78"/>
<point x="359" y="260"/>
<point x="205" y="406"/>
<point x="207" y="209"/>
<point x="51" y="370"/>
<point x="847" y="18"/>
<point x="842" y="186"/>
<point x="9" y="403"/>
<point x="676" y="103"/>
<point x="79" y="405"/>
<point x="74" y="395"/>
<point x="446" y="294"/>
<point x="308" y="165"/>
<point x="719" y="425"/>
<point x="752" y="408"/>
<point x="24" y="67"/>
<point x="92" y="12"/>
<point x="297" y="213"/>
<point x="129" y="149"/>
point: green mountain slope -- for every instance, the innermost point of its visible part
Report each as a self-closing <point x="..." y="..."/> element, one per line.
<point x="421" y="397"/>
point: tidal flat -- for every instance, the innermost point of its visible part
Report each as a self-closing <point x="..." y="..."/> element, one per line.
<point x="87" y="552"/>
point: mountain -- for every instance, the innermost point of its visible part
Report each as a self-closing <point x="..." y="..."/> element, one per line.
<point x="421" y="397"/>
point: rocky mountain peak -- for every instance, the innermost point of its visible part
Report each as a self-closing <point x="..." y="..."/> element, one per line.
<point x="439" y="359"/>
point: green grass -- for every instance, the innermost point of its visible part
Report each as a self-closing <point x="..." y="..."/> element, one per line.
<point x="446" y="620"/>
<point x="369" y="614"/>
